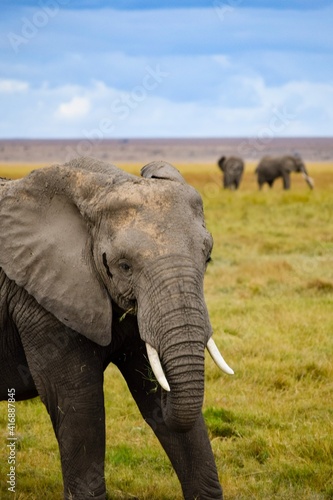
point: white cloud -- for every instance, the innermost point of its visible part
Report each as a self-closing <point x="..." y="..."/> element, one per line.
<point x="77" y="107"/>
<point x="13" y="86"/>
<point x="244" y="105"/>
<point x="222" y="60"/>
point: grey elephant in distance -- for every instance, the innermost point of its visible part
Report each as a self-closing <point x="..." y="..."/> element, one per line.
<point x="232" y="168"/>
<point x="98" y="266"/>
<point x="271" y="168"/>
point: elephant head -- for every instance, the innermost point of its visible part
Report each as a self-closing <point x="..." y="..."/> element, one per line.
<point x="86" y="238"/>
<point x="295" y="164"/>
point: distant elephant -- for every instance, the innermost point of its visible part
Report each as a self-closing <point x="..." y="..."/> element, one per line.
<point x="270" y="168"/>
<point x="99" y="266"/>
<point x="232" y="168"/>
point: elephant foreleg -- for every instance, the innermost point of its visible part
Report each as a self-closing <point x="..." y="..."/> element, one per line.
<point x="190" y="453"/>
<point x="69" y="378"/>
<point x="286" y="180"/>
<point x="192" y="458"/>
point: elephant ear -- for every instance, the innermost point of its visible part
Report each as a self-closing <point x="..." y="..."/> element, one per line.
<point x="221" y="163"/>
<point x="45" y="247"/>
<point x="162" y="170"/>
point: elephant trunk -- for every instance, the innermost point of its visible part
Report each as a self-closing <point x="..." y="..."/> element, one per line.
<point x="173" y="319"/>
<point x="185" y="372"/>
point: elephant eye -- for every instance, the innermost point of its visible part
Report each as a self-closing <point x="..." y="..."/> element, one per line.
<point x="209" y="259"/>
<point x="208" y="248"/>
<point x="124" y="266"/>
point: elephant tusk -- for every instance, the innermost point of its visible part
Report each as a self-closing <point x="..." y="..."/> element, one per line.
<point x="217" y="357"/>
<point x="308" y="180"/>
<point x="156" y="366"/>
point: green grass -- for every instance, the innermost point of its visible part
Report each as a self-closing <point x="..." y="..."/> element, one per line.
<point x="269" y="291"/>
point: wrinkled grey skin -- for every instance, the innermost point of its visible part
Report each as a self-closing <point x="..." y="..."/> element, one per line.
<point x="81" y="244"/>
<point x="232" y="168"/>
<point x="270" y="168"/>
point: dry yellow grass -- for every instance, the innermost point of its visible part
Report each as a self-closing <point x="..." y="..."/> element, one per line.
<point x="17" y="170"/>
<point x="196" y="173"/>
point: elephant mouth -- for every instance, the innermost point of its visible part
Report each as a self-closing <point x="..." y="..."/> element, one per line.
<point x="126" y="306"/>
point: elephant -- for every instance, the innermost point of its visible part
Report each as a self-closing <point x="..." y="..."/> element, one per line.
<point x="232" y="168"/>
<point x="100" y="266"/>
<point x="270" y="168"/>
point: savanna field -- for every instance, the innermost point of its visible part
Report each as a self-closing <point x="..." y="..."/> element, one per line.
<point x="269" y="291"/>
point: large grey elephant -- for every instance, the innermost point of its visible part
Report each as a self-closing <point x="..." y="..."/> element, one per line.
<point x="270" y="168"/>
<point x="99" y="266"/>
<point x="232" y="168"/>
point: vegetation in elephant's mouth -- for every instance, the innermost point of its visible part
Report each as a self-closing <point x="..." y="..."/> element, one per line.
<point x="149" y="377"/>
<point x="269" y="295"/>
<point x="132" y="310"/>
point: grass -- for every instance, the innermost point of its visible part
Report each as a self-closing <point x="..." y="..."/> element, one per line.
<point x="269" y="292"/>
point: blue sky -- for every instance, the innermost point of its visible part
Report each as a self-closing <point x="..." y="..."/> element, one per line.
<point x="191" y="68"/>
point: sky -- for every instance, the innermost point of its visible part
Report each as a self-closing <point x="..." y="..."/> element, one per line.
<point x="186" y="68"/>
